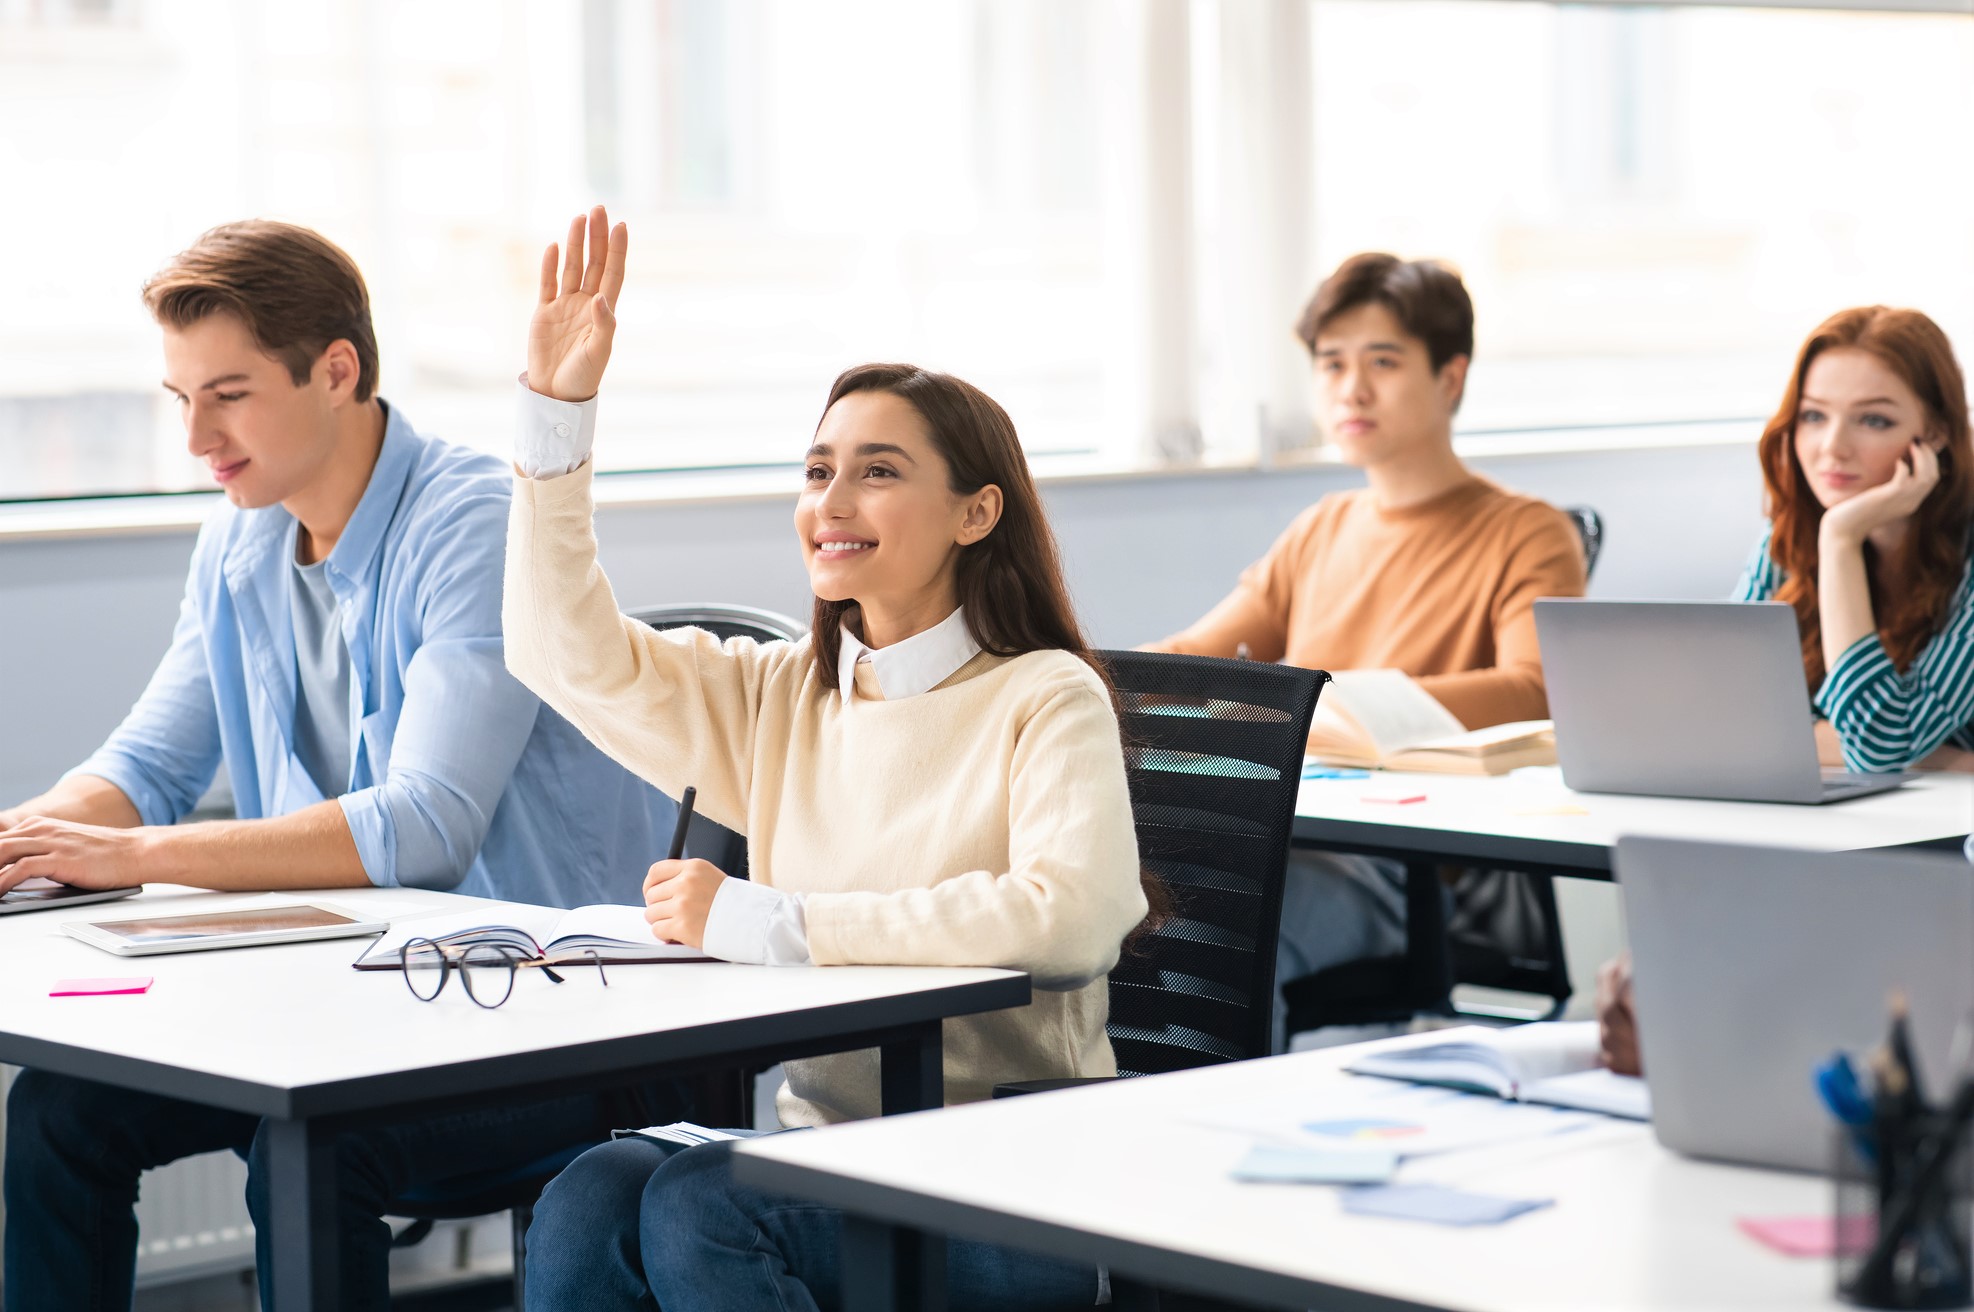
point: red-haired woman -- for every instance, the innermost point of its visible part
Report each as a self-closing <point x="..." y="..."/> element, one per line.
<point x="1870" y="479"/>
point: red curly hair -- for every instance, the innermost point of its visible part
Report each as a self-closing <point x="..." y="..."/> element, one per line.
<point x="1934" y="558"/>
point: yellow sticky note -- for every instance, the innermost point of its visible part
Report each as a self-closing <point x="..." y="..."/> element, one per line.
<point x="1561" y="808"/>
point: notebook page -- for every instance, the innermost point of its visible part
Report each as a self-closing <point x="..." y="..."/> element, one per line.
<point x="533" y="921"/>
<point x="1391" y="709"/>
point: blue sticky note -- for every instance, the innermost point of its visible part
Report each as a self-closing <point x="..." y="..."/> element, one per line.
<point x="1436" y="1203"/>
<point x="1314" y="771"/>
<point x="1272" y="1164"/>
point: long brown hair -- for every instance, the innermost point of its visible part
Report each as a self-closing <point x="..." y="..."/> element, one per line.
<point x="1933" y="559"/>
<point x="1011" y="581"/>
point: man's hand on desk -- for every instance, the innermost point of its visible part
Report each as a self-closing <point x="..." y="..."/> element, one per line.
<point x="86" y="856"/>
<point x="1617" y="1024"/>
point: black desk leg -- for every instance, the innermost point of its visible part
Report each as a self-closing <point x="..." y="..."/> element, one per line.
<point x="914" y="1072"/>
<point x="892" y="1267"/>
<point x="302" y="1217"/>
<point x="888" y="1268"/>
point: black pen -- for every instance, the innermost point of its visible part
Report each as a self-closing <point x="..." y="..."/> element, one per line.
<point x="685" y="819"/>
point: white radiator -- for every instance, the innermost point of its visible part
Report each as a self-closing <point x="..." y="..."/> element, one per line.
<point x="191" y="1215"/>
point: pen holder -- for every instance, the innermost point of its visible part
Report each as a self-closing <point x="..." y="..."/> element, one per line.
<point x="1926" y="1262"/>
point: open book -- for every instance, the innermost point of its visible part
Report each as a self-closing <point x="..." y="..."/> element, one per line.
<point x="617" y="934"/>
<point x="1553" y="1063"/>
<point x="1383" y="719"/>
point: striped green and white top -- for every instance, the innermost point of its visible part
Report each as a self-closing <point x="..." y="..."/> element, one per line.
<point x="1885" y="720"/>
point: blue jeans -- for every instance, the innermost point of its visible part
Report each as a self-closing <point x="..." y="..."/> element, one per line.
<point x="76" y="1149"/>
<point x="638" y="1224"/>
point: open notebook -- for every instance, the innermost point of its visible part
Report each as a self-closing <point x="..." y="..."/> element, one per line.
<point x="617" y="934"/>
<point x="1383" y="719"/>
<point x="1553" y="1063"/>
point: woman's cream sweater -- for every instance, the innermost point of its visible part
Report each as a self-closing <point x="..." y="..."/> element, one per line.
<point x="984" y="823"/>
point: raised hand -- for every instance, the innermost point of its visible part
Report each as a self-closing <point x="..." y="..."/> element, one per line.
<point x="1913" y="479"/>
<point x="575" y="321"/>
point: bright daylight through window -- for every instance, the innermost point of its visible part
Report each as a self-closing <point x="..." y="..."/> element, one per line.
<point x="1651" y="205"/>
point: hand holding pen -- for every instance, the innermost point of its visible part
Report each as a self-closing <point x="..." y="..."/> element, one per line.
<point x="678" y="893"/>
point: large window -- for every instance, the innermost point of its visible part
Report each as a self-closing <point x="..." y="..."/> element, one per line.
<point x="809" y="186"/>
<point x="1652" y="205"/>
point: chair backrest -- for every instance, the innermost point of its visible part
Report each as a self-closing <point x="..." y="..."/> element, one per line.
<point x="1214" y="754"/>
<point x="724" y="621"/>
<point x="704" y="839"/>
<point x="1589" y="527"/>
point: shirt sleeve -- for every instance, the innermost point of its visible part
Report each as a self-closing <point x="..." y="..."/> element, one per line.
<point x="757" y="926"/>
<point x="1545" y="560"/>
<point x="675" y="708"/>
<point x="1255" y="615"/>
<point x="554" y="437"/>
<point x="1760" y="577"/>
<point x="462" y="728"/>
<point x="1889" y="721"/>
<point x="165" y="753"/>
<point x="1071" y="891"/>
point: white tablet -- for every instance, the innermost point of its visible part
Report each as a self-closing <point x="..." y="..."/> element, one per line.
<point x="44" y="894"/>
<point x="291" y="922"/>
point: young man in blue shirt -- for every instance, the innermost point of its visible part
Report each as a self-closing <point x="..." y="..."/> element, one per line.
<point x="339" y="649"/>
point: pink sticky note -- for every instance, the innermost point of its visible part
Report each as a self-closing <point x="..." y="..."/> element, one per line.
<point x="83" y="988"/>
<point x="1812" y="1236"/>
<point x="1393" y="799"/>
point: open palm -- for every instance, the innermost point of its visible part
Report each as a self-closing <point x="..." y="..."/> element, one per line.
<point x="574" y="322"/>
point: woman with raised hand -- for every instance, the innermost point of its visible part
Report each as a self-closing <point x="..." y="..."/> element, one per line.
<point x="933" y="777"/>
<point x="1870" y="487"/>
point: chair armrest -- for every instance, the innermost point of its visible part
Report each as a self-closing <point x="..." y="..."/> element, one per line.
<point x="1018" y="1087"/>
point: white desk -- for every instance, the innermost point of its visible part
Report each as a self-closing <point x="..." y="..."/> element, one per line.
<point x="1114" y="1175"/>
<point x="293" y="1034"/>
<point x="1529" y="821"/>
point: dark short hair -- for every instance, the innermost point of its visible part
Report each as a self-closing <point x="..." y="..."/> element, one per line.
<point x="294" y="290"/>
<point x="1426" y="297"/>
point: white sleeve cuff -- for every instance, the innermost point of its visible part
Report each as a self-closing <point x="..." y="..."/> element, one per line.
<point x="756" y="925"/>
<point x="551" y="437"/>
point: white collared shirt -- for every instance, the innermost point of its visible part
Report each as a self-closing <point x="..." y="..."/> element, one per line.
<point x="918" y="664"/>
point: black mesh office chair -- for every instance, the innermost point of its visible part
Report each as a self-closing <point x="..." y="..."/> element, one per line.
<point x="1214" y="757"/>
<point x="516" y="1191"/>
<point x="1504" y="933"/>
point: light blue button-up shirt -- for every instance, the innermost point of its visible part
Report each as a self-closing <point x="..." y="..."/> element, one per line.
<point x="460" y="778"/>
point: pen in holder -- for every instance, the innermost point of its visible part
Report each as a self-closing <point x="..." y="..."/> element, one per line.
<point x="1903" y="1219"/>
<point x="1904" y="1196"/>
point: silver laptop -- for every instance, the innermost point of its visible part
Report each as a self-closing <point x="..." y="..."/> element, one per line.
<point x="1686" y="699"/>
<point x="1752" y="965"/>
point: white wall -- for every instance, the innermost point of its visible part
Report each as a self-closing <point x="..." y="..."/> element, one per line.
<point x="85" y="620"/>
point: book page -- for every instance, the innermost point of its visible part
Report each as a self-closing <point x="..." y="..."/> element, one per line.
<point x="1478" y="742"/>
<point x="532" y="921"/>
<point x="624" y="924"/>
<point x="1596" y="1090"/>
<point x="1391" y="709"/>
<point x="1504" y="1061"/>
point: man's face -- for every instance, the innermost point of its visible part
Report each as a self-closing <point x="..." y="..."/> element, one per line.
<point x="1379" y="399"/>
<point x="264" y="437"/>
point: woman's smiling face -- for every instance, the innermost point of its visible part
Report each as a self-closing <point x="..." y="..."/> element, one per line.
<point x="878" y="521"/>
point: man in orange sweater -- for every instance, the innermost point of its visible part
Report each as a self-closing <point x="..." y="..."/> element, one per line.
<point x="1430" y="569"/>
